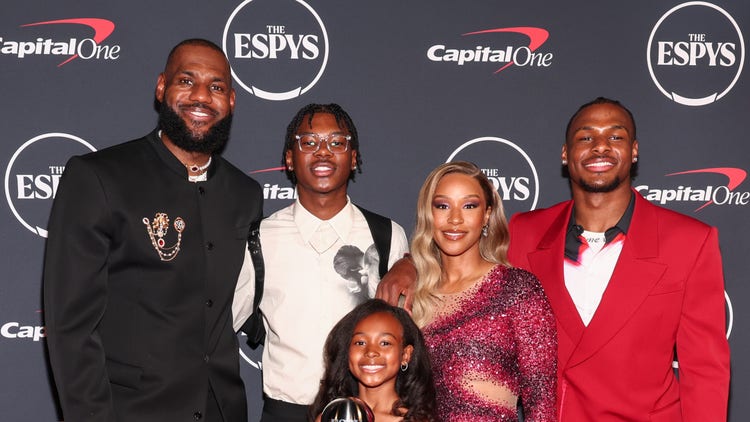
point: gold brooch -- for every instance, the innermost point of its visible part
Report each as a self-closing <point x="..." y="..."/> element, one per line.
<point x="158" y="228"/>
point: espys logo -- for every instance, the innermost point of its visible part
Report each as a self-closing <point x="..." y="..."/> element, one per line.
<point x="278" y="49"/>
<point x="695" y="53"/>
<point x="33" y="174"/>
<point x="84" y="48"/>
<point x="508" y="167"/>
<point x="702" y="194"/>
<point x="505" y="56"/>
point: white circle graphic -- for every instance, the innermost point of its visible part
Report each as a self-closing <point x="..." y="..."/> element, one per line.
<point x="730" y="312"/>
<point x="510" y="144"/>
<point x="34" y="229"/>
<point x="708" y="99"/>
<point x="256" y="365"/>
<point x="285" y="95"/>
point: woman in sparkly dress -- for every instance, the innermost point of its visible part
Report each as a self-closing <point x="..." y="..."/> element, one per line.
<point x="489" y="328"/>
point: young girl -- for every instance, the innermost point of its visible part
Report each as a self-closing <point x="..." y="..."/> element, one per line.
<point x="489" y="327"/>
<point x="377" y="353"/>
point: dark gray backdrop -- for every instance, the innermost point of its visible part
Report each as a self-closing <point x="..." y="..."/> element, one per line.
<point x="412" y="114"/>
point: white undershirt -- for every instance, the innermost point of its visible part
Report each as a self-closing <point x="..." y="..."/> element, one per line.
<point x="587" y="279"/>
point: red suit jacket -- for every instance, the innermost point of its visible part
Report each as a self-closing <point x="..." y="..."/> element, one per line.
<point x="666" y="294"/>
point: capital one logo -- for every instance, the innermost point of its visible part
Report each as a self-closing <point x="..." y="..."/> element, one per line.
<point x="88" y="48"/>
<point x="695" y="53"/>
<point x="33" y="174"/>
<point x="278" y="49"/>
<point x="484" y="49"/>
<point x="702" y="192"/>
<point x="15" y="330"/>
<point x="273" y="180"/>
<point x="508" y="168"/>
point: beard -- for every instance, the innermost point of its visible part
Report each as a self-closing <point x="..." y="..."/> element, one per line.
<point x="600" y="188"/>
<point x="180" y="134"/>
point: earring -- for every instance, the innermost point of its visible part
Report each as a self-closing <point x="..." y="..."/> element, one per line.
<point x="485" y="230"/>
<point x="404" y="366"/>
<point x="635" y="159"/>
<point x="565" y="162"/>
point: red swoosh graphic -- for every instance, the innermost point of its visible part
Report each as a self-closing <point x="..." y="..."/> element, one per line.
<point x="537" y="37"/>
<point x="102" y="29"/>
<point x="267" y="170"/>
<point x="735" y="177"/>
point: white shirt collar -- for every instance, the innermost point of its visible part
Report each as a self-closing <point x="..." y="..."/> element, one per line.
<point x="307" y="223"/>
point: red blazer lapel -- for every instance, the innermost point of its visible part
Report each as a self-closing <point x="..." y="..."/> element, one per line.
<point x="634" y="276"/>
<point x="546" y="263"/>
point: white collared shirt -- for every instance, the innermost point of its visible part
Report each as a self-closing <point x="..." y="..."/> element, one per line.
<point x="307" y="293"/>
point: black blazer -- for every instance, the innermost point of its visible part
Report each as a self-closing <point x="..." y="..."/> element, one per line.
<point x="132" y="335"/>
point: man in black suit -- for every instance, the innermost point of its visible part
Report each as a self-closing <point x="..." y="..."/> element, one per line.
<point x="146" y="242"/>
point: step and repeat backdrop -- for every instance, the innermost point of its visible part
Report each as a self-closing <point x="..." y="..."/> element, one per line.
<point x="425" y="81"/>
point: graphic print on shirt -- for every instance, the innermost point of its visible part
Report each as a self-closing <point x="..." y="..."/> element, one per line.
<point x="358" y="269"/>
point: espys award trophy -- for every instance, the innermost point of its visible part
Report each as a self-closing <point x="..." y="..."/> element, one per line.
<point x="347" y="409"/>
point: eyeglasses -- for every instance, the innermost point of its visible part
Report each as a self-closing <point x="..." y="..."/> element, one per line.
<point x="310" y="142"/>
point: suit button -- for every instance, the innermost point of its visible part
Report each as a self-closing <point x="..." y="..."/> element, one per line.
<point x="209" y="303"/>
<point x="210" y="246"/>
<point x="201" y="190"/>
<point x="205" y="358"/>
<point x="197" y="415"/>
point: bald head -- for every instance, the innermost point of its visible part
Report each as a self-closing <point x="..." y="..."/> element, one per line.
<point x="197" y="42"/>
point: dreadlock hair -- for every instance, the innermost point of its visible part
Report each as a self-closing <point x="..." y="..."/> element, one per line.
<point x="307" y="113"/>
<point x="414" y="386"/>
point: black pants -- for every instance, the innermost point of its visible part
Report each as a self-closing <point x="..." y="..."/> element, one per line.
<point x="281" y="411"/>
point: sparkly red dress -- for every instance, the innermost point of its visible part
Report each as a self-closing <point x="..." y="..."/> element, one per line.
<point x="492" y="345"/>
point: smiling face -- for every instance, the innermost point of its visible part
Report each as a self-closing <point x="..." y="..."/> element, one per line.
<point x="459" y="211"/>
<point x="321" y="172"/>
<point x="376" y="351"/>
<point x="600" y="149"/>
<point x="196" y="96"/>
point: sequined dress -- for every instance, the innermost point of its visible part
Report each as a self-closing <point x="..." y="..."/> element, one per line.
<point x="491" y="345"/>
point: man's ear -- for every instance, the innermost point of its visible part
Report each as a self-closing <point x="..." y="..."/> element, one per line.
<point x="161" y="83"/>
<point x="288" y="160"/>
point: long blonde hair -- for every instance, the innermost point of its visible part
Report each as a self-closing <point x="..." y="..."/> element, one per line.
<point x="425" y="252"/>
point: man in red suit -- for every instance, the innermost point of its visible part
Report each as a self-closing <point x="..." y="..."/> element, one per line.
<point x="632" y="286"/>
